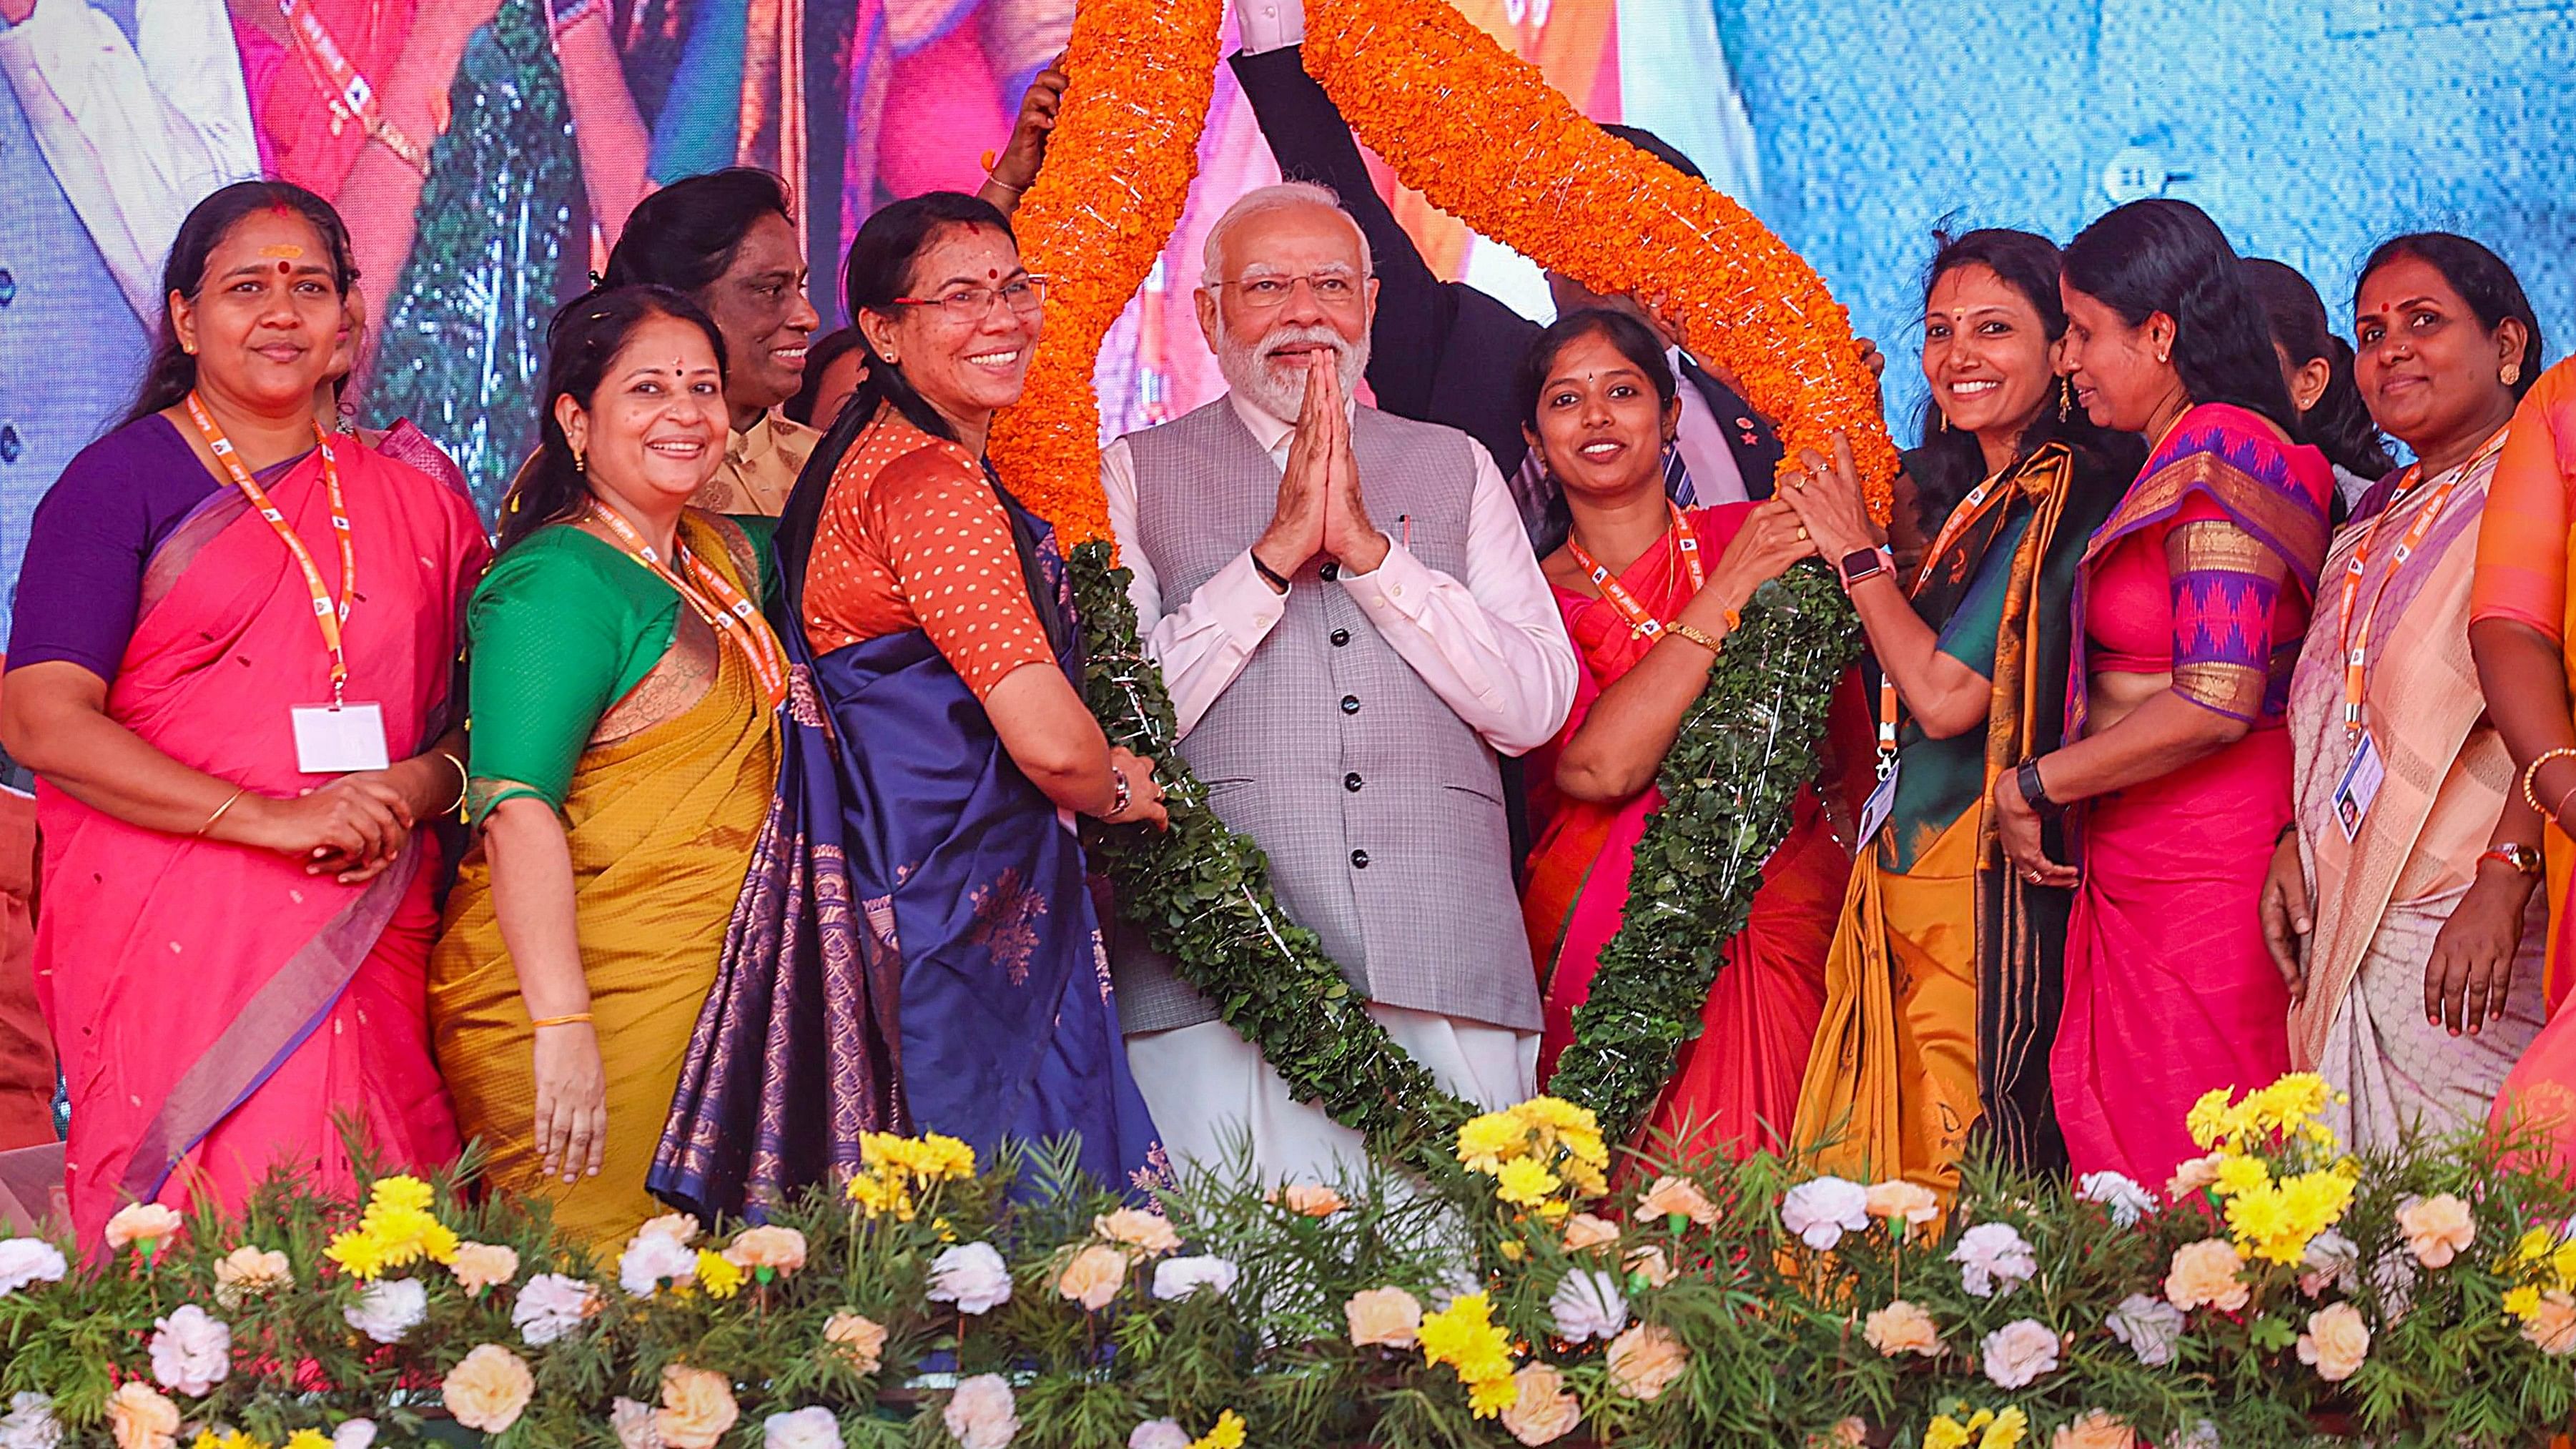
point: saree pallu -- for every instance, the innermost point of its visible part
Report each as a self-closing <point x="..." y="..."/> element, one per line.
<point x="303" y="998"/>
<point x="2382" y="897"/>
<point x="1735" y="1086"/>
<point x="660" y="818"/>
<point x="916" y="948"/>
<point x="1943" y="984"/>
<point x="2169" y="989"/>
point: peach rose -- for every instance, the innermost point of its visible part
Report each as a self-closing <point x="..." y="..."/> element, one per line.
<point x="781" y="1250"/>
<point x="697" y="1408"/>
<point x="141" y="1222"/>
<point x="2204" y="1274"/>
<point x="632" y="1423"/>
<point x="1308" y="1199"/>
<point x="2437" y="1228"/>
<point x="1137" y="1230"/>
<point x="483" y="1265"/>
<point x="488" y="1389"/>
<point x="1900" y="1201"/>
<point x="678" y="1227"/>
<point x="2193" y="1176"/>
<point x="247" y="1272"/>
<point x="860" y="1340"/>
<point x="2096" y="1430"/>
<point x="1901" y="1327"/>
<point x="1389" y="1317"/>
<point x="1850" y="1432"/>
<point x="2336" y="1342"/>
<point x="1583" y="1230"/>
<point x="1650" y="1264"/>
<point x="1544" y="1412"/>
<point x="141" y="1417"/>
<point x="1645" y="1360"/>
<point x="2552" y="1327"/>
<point x="1676" y="1196"/>
<point x="1094" y="1276"/>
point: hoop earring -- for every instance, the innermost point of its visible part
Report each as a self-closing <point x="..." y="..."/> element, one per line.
<point x="2065" y="398"/>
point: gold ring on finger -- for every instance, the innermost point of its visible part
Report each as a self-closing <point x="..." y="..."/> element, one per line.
<point x="1802" y="534"/>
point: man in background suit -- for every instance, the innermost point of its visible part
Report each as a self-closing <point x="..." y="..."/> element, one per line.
<point x="1447" y="353"/>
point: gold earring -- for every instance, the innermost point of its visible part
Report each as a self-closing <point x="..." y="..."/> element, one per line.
<point x="580" y="464"/>
<point x="189" y="348"/>
<point x="2065" y="398"/>
<point x="2511" y="374"/>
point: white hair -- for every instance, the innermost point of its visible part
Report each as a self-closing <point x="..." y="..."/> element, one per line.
<point x="1273" y="198"/>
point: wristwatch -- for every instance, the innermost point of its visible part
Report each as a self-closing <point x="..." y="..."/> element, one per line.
<point x="2034" y="793"/>
<point x="1864" y="563"/>
<point x="2524" y="859"/>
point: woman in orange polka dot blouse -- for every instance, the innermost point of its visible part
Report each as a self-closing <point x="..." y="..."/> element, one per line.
<point x="916" y="928"/>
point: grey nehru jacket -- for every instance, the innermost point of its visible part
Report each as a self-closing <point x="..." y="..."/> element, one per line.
<point x="1381" y="811"/>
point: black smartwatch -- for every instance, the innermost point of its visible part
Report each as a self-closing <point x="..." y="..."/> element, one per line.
<point x="2033" y="792"/>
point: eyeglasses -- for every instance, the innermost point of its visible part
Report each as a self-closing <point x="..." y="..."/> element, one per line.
<point x="969" y="305"/>
<point x="1268" y="294"/>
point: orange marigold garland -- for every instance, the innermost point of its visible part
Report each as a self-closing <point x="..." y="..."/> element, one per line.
<point x="1481" y="133"/>
<point x="1117" y="175"/>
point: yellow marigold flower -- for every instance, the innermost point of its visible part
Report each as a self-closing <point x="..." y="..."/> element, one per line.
<point x="2316" y="1201"/>
<point x="2562" y="1261"/>
<point x="1465" y="1337"/>
<point x="2257" y="1215"/>
<point x="1945" y="1432"/>
<point x="308" y="1439"/>
<point x="1491" y="1396"/>
<point x="2240" y="1175"/>
<point x="718" y="1275"/>
<point x="2523" y="1302"/>
<point x="1227" y="1433"/>
<point x="2007" y="1430"/>
<point x="399" y="1192"/>
<point x="1485" y="1141"/>
<point x="2535" y="1245"/>
<point x="1524" y="1183"/>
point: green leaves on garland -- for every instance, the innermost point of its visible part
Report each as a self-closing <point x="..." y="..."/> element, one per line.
<point x="1744" y="750"/>
<point x="1202" y="892"/>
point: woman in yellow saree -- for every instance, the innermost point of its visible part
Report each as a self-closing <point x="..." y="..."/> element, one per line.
<point x="624" y="745"/>
<point x="1943" y="983"/>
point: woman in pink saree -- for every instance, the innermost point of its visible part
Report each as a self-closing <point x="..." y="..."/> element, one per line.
<point x="2190" y="604"/>
<point x="237" y="902"/>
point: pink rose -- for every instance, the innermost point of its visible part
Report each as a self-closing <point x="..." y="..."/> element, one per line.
<point x="1645" y="1360"/>
<point x="632" y="1423"/>
<point x="2336" y="1342"/>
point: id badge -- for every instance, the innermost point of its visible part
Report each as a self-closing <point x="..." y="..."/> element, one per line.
<point x="337" y="740"/>
<point x="2359" y="786"/>
<point x="1882" y="800"/>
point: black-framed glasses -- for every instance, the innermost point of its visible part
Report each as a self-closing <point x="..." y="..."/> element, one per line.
<point x="969" y="305"/>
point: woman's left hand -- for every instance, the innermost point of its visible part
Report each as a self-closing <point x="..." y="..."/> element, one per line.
<point x="2017" y="828"/>
<point x="1826" y="496"/>
<point x="383" y="787"/>
<point x="2471" y="969"/>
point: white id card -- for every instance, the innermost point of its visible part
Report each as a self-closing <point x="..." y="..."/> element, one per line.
<point x="1873" y="814"/>
<point x="2359" y="786"/>
<point x="333" y="740"/>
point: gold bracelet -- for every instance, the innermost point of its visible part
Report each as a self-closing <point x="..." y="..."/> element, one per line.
<point x="573" y="1019"/>
<point x="1694" y="634"/>
<point x="464" y="781"/>
<point x="219" y="811"/>
<point x="2531" y="773"/>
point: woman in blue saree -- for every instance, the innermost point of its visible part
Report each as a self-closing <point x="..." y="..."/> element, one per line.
<point x="915" y="948"/>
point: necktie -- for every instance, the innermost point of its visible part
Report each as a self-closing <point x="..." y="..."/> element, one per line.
<point x="1677" y="478"/>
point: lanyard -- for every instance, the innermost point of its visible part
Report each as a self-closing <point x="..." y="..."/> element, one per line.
<point x="330" y="615"/>
<point x="1980" y="499"/>
<point x="1640" y="620"/>
<point x="2355" y="644"/>
<point x="343" y="88"/>
<point x="731" y="615"/>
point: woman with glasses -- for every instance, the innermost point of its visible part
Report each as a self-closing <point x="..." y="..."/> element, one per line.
<point x="916" y="949"/>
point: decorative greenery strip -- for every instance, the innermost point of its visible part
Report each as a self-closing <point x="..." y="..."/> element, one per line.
<point x="1202" y="894"/>
<point x="1742" y="754"/>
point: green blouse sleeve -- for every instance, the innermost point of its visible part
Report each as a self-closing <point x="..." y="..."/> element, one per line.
<point x="762" y="532"/>
<point x="562" y="627"/>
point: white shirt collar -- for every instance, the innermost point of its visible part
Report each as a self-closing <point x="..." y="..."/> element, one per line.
<point x="1271" y="433"/>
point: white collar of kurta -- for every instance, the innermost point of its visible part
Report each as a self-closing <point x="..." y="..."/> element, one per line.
<point x="1272" y="433"/>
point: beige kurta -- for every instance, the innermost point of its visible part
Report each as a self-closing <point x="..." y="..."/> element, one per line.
<point x="760" y="468"/>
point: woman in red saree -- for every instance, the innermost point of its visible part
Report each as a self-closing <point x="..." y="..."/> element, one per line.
<point x="1648" y="611"/>
<point x="2190" y="604"/>
<point x="236" y="922"/>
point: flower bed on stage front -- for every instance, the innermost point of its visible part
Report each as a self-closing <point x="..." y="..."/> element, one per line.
<point x="2428" y="1298"/>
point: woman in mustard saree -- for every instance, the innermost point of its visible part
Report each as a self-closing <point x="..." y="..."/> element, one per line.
<point x="625" y="740"/>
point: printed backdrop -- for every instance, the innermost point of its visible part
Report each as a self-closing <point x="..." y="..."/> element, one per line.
<point x="2310" y="128"/>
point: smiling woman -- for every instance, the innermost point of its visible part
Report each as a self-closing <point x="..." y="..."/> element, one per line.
<point x="625" y="738"/>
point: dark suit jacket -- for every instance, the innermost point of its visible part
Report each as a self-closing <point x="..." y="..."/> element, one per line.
<point x="1440" y="352"/>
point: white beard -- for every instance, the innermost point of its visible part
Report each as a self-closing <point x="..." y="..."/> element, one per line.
<point x="1246" y="367"/>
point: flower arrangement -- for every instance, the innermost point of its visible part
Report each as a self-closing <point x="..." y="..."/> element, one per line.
<point x="1014" y="1307"/>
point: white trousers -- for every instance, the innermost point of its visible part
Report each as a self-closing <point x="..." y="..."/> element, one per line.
<point x="1212" y="1095"/>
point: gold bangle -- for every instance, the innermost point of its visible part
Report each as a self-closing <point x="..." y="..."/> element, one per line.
<point x="464" y="781"/>
<point x="2531" y="774"/>
<point x="219" y="811"/>
<point x="575" y="1018"/>
<point x="1694" y="634"/>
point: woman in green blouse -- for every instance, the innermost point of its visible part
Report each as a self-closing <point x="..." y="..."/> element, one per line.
<point x="624" y="746"/>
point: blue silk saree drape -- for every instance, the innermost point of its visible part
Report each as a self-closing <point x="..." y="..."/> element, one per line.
<point x="915" y="948"/>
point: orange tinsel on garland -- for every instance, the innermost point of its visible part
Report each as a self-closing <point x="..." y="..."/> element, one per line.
<point x="1487" y="140"/>
<point x="1117" y="173"/>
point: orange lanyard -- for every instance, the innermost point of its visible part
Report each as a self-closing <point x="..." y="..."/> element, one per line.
<point x="1962" y="518"/>
<point x="329" y="614"/>
<point x="729" y="613"/>
<point x="2355" y="645"/>
<point x="1640" y="620"/>
<point x="349" y="95"/>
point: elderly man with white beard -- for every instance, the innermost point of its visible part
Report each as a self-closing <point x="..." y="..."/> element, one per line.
<point x="1351" y="624"/>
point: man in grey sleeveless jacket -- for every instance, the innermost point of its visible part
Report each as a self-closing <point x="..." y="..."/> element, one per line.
<point x="1352" y="625"/>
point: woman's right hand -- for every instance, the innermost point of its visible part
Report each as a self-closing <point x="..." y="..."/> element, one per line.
<point x="345" y="827"/>
<point x="1762" y="550"/>
<point x="1144" y="796"/>
<point x="2287" y="915"/>
<point x="572" y="1101"/>
<point x="1826" y="495"/>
